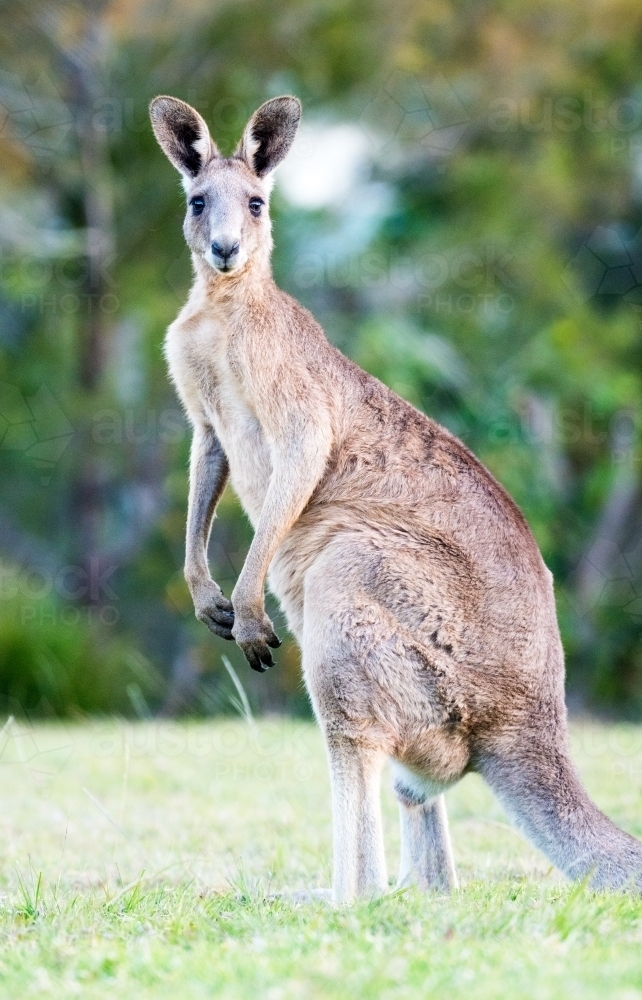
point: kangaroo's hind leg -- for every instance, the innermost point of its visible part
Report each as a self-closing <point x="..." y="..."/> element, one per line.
<point x="375" y="691"/>
<point x="359" y="860"/>
<point x="426" y="853"/>
<point x="337" y="645"/>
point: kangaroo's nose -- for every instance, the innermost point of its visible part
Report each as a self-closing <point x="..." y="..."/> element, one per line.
<point x="225" y="250"/>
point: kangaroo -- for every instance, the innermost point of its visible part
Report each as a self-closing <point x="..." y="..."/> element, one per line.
<point x="424" y="611"/>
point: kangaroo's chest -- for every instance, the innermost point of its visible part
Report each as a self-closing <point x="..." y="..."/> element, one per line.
<point x="199" y="363"/>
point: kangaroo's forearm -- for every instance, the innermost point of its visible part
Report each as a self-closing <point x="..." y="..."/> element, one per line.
<point x="293" y="482"/>
<point x="209" y="472"/>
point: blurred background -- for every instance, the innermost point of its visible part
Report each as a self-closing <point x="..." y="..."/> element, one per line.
<point x="463" y="213"/>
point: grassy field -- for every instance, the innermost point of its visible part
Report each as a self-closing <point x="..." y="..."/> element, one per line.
<point x="146" y="860"/>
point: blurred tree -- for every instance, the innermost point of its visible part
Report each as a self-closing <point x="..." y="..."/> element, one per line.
<point x="484" y="262"/>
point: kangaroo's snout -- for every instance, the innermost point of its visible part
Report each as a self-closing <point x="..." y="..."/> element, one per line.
<point x="225" y="252"/>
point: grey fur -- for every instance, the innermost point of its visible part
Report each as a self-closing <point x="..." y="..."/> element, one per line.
<point x="269" y="134"/>
<point x="423" y="608"/>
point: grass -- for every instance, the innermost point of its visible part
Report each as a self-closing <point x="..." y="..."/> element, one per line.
<point x="146" y="860"/>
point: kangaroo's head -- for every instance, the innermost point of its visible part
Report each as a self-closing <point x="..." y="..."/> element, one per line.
<point x="227" y="222"/>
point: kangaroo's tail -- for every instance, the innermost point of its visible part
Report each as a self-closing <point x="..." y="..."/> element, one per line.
<point x="539" y="787"/>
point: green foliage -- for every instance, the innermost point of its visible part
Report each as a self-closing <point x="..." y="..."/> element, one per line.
<point x="55" y="661"/>
<point x="485" y="264"/>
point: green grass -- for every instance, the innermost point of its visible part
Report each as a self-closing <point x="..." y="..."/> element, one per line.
<point x="145" y="860"/>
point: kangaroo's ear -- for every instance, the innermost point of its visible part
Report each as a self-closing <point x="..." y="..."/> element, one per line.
<point x="269" y="134"/>
<point x="182" y="135"/>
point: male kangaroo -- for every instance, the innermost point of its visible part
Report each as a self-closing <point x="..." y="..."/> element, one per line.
<point x="422" y="606"/>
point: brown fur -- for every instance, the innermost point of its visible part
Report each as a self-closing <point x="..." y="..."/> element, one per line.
<point x="423" y="608"/>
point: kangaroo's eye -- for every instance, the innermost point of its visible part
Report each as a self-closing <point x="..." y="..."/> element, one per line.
<point x="198" y="204"/>
<point x="255" y="205"/>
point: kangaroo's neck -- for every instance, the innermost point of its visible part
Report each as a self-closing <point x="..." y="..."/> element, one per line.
<point x="233" y="297"/>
